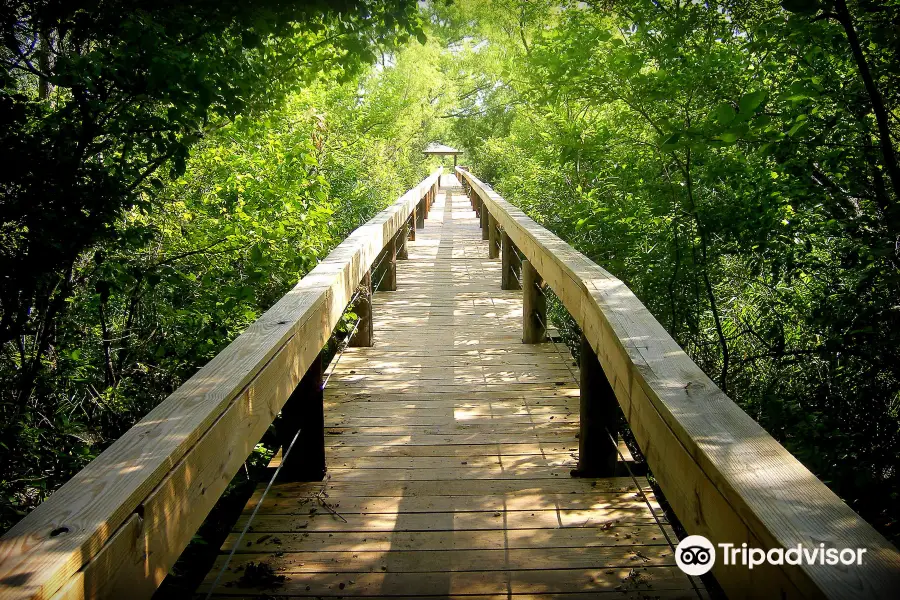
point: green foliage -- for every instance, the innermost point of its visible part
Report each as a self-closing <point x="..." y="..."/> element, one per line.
<point x="727" y="161"/>
<point x="174" y="169"/>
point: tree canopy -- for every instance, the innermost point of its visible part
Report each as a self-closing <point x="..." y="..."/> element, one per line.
<point x="172" y="168"/>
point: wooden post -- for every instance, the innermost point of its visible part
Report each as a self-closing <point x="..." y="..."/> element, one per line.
<point x="534" y="306"/>
<point x="304" y="411"/>
<point x="509" y="278"/>
<point x="402" y="237"/>
<point x="363" y="309"/>
<point x="597" y="453"/>
<point x="420" y="214"/>
<point x="493" y="251"/>
<point x="411" y="224"/>
<point x="386" y="274"/>
<point x="477" y="206"/>
<point x="485" y="222"/>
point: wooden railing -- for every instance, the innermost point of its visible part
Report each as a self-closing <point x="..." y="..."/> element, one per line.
<point x="724" y="476"/>
<point x="116" y="528"/>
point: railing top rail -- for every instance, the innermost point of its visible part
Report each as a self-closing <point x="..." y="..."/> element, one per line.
<point x="144" y="497"/>
<point x="723" y="474"/>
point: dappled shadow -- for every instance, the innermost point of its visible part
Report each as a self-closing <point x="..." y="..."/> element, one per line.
<point x="449" y="450"/>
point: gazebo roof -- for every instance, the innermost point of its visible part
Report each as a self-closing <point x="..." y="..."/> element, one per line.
<point x="435" y="148"/>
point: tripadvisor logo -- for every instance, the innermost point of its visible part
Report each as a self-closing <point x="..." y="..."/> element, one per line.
<point x="696" y="555"/>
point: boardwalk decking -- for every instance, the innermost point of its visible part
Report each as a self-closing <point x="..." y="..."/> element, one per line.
<point x="449" y="446"/>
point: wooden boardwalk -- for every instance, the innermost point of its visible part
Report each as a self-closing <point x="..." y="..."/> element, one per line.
<point x="449" y="446"/>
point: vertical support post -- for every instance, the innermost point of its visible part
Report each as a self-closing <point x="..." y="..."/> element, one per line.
<point x="509" y="278"/>
<point x="534" y="306"/>
<point x="477" y="206"/>
<point x="304" y="411"/>
<point x="411" y="223"/>
<point x="386" y="274"/>
<point x="485" y="222"/>
<point x="402" y="237"/>
<point x="420" y="214"/>
<point x="362" y="338"/>
<point x="599" y="415"/>
<point x="493" y="251"/>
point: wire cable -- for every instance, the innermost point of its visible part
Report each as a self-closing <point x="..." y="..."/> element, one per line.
<point x="344" y="345"/>
<point x="252" y="515"/>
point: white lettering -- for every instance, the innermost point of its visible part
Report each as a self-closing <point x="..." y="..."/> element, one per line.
<point x="725" y="548"/>
<point x="757" y="557"/>
<point x="775" y="556"/>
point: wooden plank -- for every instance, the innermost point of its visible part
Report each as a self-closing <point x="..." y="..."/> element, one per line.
<point x="451" y="521"/>
<point x="478" y="539"/>
<point x="705" y="449"/>
<point x="337" y="488"/>
<point x="635" y="579"/>
<point x="295" y="505"/>
<point x="442" y="561"/>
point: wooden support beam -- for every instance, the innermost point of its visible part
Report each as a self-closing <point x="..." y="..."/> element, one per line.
<point x="485" y="223"/>
<point x="402" y="237"/>
<point x="304" y="411"/>
<point x="534" y="306"/>
<point x="386" y="274"/>
<point x="420" y="214"/>
<point x="362" y="338"/>
<point x="599" y="419"/>
<point x="411" y="223"/>
<point x="509" y="278"/>
<point x="493" y="250"/>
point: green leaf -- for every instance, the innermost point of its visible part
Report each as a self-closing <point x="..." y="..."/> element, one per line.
<point x="800" y="127"/>
<point x="671" y="142"/>
<point x="728" y="137"/>
<point x="724" y="114"/>
<point x="423" y="39"/>
<point x="750" y="101"/>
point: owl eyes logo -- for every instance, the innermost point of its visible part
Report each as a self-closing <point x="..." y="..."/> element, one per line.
<point x="695" y="555"/>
